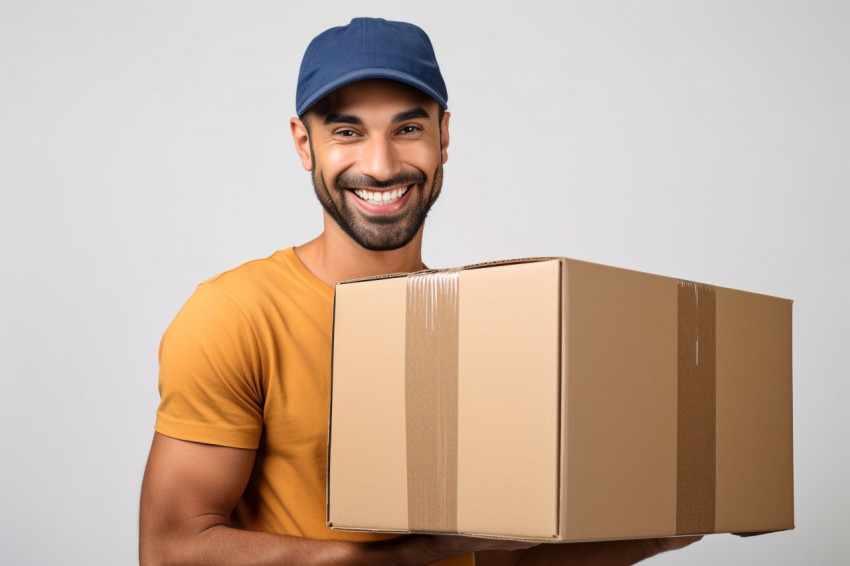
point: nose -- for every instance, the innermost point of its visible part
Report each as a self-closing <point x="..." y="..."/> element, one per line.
<point x="380" y="158"/>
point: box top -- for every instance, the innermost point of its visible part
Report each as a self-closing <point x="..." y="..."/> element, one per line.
<point x="503" y="262"/>
<point x="461" y="268"/>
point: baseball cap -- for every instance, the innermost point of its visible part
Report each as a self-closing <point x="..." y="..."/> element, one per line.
<point x="368" y="48"/>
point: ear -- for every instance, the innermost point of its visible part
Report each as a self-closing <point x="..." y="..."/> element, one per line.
<point x="444" y="136"/>
<point x="301" y="138"/>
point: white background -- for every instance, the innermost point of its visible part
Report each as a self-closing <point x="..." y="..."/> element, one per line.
<point x="144" y="147"/>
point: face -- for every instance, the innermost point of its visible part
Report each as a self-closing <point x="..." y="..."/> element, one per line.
<point x="376" y="153"/>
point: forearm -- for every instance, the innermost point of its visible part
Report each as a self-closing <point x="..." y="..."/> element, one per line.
<point x="609" y="553"/>
<point x="222" y="546"/>
<point x="188" y="494"/>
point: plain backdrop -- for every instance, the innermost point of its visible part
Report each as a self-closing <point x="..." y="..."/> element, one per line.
<point x="144" y="147"/>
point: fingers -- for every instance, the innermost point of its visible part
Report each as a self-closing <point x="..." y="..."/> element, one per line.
<point x="477" y="544"/>
<point x="675" y="543"/>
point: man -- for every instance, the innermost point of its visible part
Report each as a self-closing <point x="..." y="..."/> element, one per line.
<point x="236" y="473"/>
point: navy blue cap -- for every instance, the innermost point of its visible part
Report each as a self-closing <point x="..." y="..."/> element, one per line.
<point x="368" y="48"/>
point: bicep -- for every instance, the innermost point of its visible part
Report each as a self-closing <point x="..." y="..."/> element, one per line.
<point x="190" y="487"/>
<point x="211" y="373"/>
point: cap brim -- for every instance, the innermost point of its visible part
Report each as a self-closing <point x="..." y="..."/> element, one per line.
<point x="374" y="73"/>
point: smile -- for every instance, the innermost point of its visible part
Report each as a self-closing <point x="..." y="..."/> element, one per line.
<point x="382" y="197"/>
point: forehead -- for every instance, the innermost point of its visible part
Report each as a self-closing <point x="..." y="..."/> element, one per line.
<point x="373" y="95"/>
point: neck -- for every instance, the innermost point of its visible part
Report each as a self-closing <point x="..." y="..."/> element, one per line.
<point x="333" y="256"/>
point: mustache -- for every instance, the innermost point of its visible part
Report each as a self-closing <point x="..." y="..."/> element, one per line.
<point x="365" y="181"/>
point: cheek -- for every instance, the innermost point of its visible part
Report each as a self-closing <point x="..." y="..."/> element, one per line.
<point x="339" y="154"/>
<point x="423" y="157"/>
<point x="332" y="161"/>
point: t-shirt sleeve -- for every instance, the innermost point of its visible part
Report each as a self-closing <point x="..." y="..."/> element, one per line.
<point x="210" y="380"/>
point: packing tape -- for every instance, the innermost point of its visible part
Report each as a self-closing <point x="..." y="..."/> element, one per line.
<point x="697" y="420"/>
<point x="431" y="400"/>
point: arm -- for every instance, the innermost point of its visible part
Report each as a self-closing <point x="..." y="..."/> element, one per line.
<point x="188" y="494"/>
<point x="608" y="553"/>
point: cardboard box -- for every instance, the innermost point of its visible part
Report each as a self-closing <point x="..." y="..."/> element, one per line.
<point x="559" y="400"/>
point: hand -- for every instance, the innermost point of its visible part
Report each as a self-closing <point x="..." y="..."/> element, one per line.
<point x="601" y="553"/>
<point x="458" y="544"/>
<point x="418" y="549"/>
<point x="674" y="543"/>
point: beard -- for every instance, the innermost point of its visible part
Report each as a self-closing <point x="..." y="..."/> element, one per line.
<point x="382" y="232"/>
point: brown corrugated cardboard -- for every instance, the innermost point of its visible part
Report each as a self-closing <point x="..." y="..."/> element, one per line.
<point x="559" y="400"/>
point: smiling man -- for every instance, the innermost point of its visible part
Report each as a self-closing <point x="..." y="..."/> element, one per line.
<point x="236" y="472"/>
<point x="376" y="149"/>
<point x="376" y="173"/>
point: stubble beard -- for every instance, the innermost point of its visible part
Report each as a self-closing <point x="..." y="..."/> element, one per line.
<point x="379" y="232"/>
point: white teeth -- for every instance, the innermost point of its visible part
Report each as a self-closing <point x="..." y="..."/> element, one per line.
<point x="381" y="197"/>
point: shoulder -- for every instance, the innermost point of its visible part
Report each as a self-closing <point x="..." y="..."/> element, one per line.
<point x="228" y="303"/>
<point x="281" y="273"/>
<point x="254" y="273"/>
<point x="265" y="296"/>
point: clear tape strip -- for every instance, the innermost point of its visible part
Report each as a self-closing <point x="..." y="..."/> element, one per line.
<point x="431" y="400"/>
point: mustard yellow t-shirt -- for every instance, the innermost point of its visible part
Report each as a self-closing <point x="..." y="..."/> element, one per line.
<point x="246" y="363"/>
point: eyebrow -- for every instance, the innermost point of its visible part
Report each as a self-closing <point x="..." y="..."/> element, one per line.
<point x="336" y="118"/>
<point x="410" y="115"/>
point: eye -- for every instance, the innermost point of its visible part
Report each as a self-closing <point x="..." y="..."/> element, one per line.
<point x="409" y="129"/>
<point x="346" y="133"/>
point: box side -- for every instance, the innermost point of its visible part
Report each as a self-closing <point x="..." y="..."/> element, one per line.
<point x="367" y="468"/>
<point x="754" y="413"/>
<point x="509" y="400"/>
<point x="621" y="403"/>
<point x="563" y="430"/>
